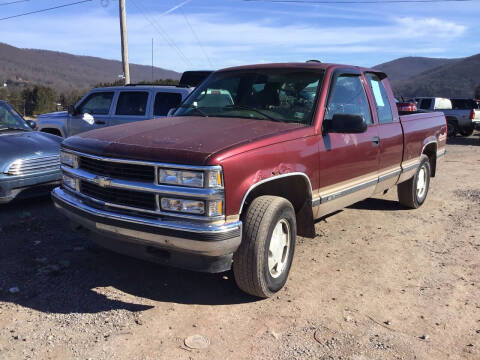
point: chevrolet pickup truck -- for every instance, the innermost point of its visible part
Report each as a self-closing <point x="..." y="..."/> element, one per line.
<point x="247" y="163"/>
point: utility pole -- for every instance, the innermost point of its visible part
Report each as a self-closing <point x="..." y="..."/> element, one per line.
<point x="152" y="60"/>
<point x="123" y="34"/>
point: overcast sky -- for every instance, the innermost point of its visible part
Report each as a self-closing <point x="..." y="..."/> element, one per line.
<point x="232" y="32"/>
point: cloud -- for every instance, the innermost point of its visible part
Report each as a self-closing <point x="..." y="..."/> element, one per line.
<point x="231" y="40"/>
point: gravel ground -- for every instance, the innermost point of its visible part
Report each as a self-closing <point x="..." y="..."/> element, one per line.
<point x="378" y="282"/>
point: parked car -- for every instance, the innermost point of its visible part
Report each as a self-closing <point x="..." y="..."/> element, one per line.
<point x="247" y="163"/>
<point x="107" y="106"/>
<point x="193" y="78"/>
<point x="465" y="109"/>
<point x="459" y="119"/>
<point x="29" y="160"/>
<point x="406" y="106"/>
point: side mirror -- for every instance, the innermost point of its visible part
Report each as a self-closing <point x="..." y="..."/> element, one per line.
<point x="89" y="119"/>
<point x="71" y="110"/>
<point x="31" y="123"/>
<point x="346" y="123"/>
<point x="171" y="112"/>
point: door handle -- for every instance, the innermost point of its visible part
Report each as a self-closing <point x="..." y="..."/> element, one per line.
<point x="375" y="140"/>
<point x="100" y="122"/>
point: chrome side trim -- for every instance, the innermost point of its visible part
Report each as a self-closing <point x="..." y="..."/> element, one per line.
<point x="389" y="175"/>
<point x="272" y="179"/>
<point x="139" y="162"/>
<point x="441" y="153"/>
<point x="61" y="195"/>
<point x="338" y="194"/>
<point x="410" y="166"/>
<point x="167" y="190"/>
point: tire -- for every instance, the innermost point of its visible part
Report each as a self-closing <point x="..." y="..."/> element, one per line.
<point x="411" y="193"/>
<point x="254" y="262"/>
<point x="451" y="129"/>
<point x="466" y="131"/>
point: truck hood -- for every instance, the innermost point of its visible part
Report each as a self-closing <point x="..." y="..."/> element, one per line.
<point x="23" y="144"/>
<point x="57" y="114"/>
<point x="183" y="140"/>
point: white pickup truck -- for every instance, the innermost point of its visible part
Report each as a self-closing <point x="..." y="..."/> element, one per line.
<point x="463" y="115"/>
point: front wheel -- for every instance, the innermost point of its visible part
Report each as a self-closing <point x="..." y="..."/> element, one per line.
<point x="263" y="260"/>
<point x="413" y="192"/>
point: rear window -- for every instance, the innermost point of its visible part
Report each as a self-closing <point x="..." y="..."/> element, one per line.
<point x="133" y="103"/>
<point x="164" y="101"/>
<point x="464" y="104"/>
<point x="425" y="104"/>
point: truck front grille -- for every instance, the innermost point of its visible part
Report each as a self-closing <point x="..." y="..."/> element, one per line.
<point x="136" y="199"/>
<point x="117" y="170"/>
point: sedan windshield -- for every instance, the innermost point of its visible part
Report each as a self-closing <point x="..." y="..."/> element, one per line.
<point x="282" y="95"/>
<point x="10" y="119"/>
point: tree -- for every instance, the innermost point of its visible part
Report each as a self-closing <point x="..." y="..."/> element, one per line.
<point x="39" y="99"/>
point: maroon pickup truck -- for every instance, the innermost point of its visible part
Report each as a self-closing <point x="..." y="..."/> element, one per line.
<point x="251" y="159"/>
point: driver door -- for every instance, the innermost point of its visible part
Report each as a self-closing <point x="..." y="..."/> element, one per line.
<point x="348" y="162"/>
<point x="92" y="113"/>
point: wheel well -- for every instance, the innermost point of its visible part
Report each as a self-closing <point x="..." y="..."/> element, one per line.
<point x="52" y="131"/>
<point x="295" y="189"/>
<point x="452" y="119"/>
<point x="431" y="151"/>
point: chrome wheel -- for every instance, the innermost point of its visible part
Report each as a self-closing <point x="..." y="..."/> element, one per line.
<point x="421" y="182"/>
<point x="279" y="248"/>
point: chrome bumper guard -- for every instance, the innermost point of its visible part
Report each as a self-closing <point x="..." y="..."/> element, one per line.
<point x="178" y="236"/>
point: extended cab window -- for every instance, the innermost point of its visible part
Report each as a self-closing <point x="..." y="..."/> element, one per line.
<point x="133" y="103"/>
<point x="347" y="96"/>
<point x="384" y="111"/>
<point x="96" y="104"/>
<point x="164" y="101"/>
<point x="281" y="95"/>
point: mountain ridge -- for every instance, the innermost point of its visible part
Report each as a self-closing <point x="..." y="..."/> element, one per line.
<point x="65" y="72"/>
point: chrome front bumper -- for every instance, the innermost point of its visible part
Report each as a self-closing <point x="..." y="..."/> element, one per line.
<point x="173" y="236"/>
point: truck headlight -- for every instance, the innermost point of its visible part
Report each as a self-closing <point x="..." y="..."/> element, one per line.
<point x="180" y="177"/>
<point x="70" y="182"/>
<point x="209" y="179"/>
<point x="183" y="205"/>
<point x="215" y="208"/>
<point x="68" y="159"/>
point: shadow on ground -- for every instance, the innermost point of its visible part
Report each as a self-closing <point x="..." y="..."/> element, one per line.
<point x="57" y="272"/>
<point x="378" y="204"/>
<point x="459" y="140"/>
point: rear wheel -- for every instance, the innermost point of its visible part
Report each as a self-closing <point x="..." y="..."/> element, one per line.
<point x="263" y="260"/>
<point x="413" y="192"/>
<point x="451" y="129"/>
<point x="466" y="131"/>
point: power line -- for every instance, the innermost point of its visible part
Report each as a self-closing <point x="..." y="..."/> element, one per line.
<point x="196" y="37"/>
<point x="43" y="10"/>
<point x="355" y="2"/>
<point x="13" y="2"/>
<point x="162" y="32"/>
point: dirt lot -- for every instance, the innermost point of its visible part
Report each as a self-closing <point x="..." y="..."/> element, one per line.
<point x="378" y="282"/>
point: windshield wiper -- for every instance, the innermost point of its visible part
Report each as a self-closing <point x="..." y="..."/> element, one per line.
<point x="244" y="107"/>
<point x="190" y="106"/>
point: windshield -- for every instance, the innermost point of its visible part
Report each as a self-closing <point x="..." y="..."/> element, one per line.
<point x="10" y="119"/>
<point x="283" y="95"/>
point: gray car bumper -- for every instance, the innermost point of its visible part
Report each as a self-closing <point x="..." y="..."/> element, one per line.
<point x="207" y="248"/>
<point x="12" y="186"/>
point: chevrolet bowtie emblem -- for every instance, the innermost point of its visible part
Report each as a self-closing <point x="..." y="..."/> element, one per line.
<point x="102" y="181"/>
